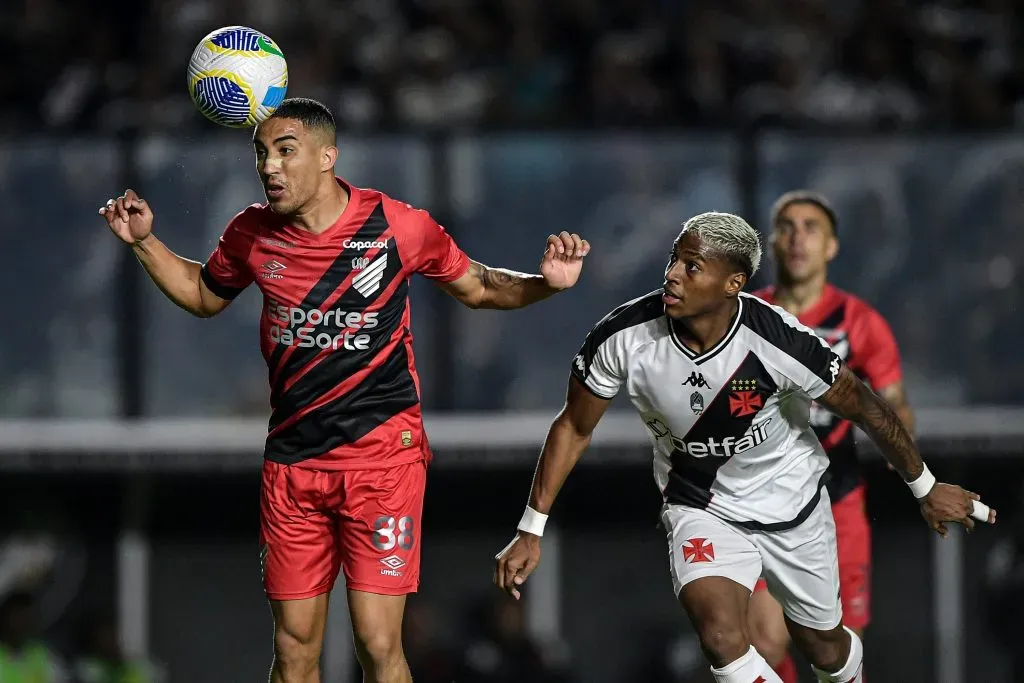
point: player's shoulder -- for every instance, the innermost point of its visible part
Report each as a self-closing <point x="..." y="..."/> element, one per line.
<point x="857" y="309"/>
<point x="631" y="315"/>
<point x="400" y="214"/>
<point x="251" y="221"/>
<point x="771" y="322"/>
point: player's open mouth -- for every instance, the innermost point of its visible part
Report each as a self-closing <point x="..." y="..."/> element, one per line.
<point x="274" y="191"/>
<point x="669" y="299"/>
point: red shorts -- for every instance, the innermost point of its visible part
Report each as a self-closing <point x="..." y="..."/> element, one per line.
<point x="853" y="540"/>
<point x="314" y="523"/>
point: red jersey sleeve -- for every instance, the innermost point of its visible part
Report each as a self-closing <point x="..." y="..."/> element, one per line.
<point x="425" y="246"/>
<point x="878" y="356"/>
<point x="226" y="273"/>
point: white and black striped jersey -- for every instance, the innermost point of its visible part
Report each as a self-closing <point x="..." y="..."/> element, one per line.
<point x="729" y="426"/>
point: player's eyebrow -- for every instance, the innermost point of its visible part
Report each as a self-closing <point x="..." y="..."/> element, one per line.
<point x="285" y="137"/>
<point x="695" y="255"/>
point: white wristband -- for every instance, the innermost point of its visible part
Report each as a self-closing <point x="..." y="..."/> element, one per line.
<point x="533" y="522"/>
<point x="923" y="484"/>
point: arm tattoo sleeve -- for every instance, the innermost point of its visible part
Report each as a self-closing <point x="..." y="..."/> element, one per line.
<point x="851" y="399"/>
<point x="509" y="289"/>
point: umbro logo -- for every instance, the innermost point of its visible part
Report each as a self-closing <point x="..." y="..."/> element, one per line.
<point x="696" y="379"/>
<point x="271" y="270"/>
<point x="394" y="565"/>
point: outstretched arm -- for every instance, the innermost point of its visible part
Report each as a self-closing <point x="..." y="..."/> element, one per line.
<point x="567" y="438"/>
<point x="896" y="397"/>
<point x="850" y="398"/>
<point x="486" y="287"/>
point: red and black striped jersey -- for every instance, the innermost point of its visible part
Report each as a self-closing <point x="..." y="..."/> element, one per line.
<point x="335" y="329"/>
<point x="860" y="336"/>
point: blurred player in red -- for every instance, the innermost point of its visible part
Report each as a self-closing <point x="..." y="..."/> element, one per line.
<point x="804" y="239"/>
<point x="345" y="463"/>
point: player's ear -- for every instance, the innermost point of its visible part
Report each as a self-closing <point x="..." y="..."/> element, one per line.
<point x="832" y="249"/>
<point x="328" y="157"/>
<point x="735" y="283"/>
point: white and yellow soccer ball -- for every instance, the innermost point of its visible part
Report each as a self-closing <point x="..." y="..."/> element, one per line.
<point x="237" y="76"/>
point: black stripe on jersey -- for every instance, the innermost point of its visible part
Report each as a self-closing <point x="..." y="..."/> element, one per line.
<point x="722" y="426"/>
<point x="375" y="225"/>
<point x="800" y="518"/>
<point x="804" y="347"/>
<point x="630" y="314"/>
<point x="385" y="392"/>
<point x="835" y="319"/>
<point x="221" y="290"/>
<point x="340" y="364"/>
<point x="699" y="358"/>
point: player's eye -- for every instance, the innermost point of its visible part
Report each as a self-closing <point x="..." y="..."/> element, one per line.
<point x="286" y="150"/>
<point x="693" y="266"/>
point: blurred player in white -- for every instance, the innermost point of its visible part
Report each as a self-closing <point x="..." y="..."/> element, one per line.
<point x="804" y="239"/>
<point x="724" y="383"/>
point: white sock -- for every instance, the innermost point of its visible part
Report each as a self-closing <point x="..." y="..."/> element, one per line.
<point x="852" y="671"/>
<point x="750" y="668"/>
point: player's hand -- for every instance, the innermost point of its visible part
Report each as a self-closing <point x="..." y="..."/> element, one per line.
<point x="950" y="503"/>
<point x="563" y="259"/>
<point x="129" y="217"/>
<point x="516" y="562"/>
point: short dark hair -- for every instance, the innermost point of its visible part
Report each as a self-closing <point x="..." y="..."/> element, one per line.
<point x="805" y="197"/>
<point x="314" y="115"/>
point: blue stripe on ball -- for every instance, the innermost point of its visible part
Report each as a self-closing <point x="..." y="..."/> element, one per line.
<point x="274" y="96"/>
<point x="222" y="100"/>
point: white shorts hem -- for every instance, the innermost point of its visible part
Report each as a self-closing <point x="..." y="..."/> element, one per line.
<point x="816" y="625"/>
<point x="713" y="571"/>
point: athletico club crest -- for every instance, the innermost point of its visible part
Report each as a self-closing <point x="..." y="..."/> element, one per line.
<point x="745" y="398"/>
<point x="698" y="550"/>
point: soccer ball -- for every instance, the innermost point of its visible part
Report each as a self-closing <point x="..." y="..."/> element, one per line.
<point x="237" y="76"/>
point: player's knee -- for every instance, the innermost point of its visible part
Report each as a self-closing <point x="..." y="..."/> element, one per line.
<point x="826" y="650"/>
<point x="723" y="637"/>
<point x="378" y="647"/>
<point x="297" y="643"/>
<point x="771" y="640"/>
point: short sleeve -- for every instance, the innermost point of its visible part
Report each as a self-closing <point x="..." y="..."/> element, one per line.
<point x="799" y="359"/>
<point x="227" y="273"/>
<point x="427" y="247"/>
<point x="874" y="348"/>
<point x="599" y="365"/>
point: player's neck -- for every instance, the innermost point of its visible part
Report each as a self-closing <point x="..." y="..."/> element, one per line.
<point x="323" y="210"/>
<point x="798" y="297"/>
<point x="702" y="332"/>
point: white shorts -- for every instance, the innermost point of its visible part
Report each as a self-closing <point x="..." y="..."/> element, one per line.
<point x="800" y="565"/>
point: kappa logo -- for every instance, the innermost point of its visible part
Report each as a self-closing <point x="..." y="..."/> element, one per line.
<point x="369" y="278"/>
<point x="581" y="364"/>
<point x="833" y="367"/>
<point x="698" y="550"/>
<point x="271" y="270"/>
<point x="696" y="379"/>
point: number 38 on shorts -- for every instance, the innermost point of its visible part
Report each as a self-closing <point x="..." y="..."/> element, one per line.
<point x="389" y="533"/>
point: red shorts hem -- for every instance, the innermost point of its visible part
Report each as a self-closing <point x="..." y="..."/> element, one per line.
<point x="383" y="590"/>
<point x="299" y="596"/>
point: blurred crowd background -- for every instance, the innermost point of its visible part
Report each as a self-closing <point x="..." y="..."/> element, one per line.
<point x="392" y="64"/>
<point x="508" y="120"/>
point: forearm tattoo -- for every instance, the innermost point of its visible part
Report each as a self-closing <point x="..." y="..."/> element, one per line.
<point x="505" y="288"/>
<point x="851" y="399"/>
